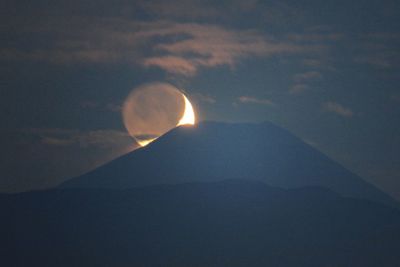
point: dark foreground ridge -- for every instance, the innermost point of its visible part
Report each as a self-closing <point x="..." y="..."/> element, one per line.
<point x="229" y="223"/>
<point x="213" y="151"/>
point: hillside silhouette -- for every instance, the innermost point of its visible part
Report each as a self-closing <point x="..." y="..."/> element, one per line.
<point x="228" y="223"/>
<point x="214" y="151"/>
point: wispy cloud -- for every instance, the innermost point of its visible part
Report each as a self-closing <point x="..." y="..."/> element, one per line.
<point x="303" y="80"/>
<point x="44" y="157"/>
<point x="379" y="49"/>
<point x="338" y="109"/>
<point x="312" y="62"/>
<point x="298" y="88"/>
<point x="307" y="76"/>
<point x="323" y="62"/>
<point x="316" y="37"/>
<point x="172" y="64"/>
<point x="212" y="46"/>
<point x="113" y="107"/>
<point x="105" y="138"/>
<point x="382" y="60"/>
<point x="204" y="98"/>
<point x="254" y="100"/>
<point x="177" y="48"/>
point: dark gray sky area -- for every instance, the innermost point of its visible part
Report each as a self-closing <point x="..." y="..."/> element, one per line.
<point x="328" y="71"/>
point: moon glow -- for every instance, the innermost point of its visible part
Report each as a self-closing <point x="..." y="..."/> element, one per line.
<point x="151" y="110"/>
<point x="188" y="115"/>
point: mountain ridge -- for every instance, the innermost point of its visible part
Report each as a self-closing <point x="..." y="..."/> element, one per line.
<point x="224" y="223"/>
<point x="212" y="151"/>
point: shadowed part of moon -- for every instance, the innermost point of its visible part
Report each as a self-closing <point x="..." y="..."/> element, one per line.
<point x="151" y="110"/>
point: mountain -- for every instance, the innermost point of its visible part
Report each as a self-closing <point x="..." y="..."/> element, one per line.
<point x="216" y="194"/>
<point x="213" y="151"/>
<point x="228" y="223"/>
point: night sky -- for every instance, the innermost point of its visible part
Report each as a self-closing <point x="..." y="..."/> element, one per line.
<point x="328" y="71"/>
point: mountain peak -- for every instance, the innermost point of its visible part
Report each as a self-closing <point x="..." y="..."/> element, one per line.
<point x="215" y="151"/>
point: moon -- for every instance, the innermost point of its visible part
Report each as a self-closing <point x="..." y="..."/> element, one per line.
<point x="152" y="109"/>
<point x="188" y="115"/>
<point x="188" y="118"/>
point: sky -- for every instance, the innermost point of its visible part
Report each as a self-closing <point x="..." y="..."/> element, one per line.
<point x="325" y="70"/>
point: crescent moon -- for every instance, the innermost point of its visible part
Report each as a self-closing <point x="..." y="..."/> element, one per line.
<point x="188" y="118"/>
<point x="188" y="115"/>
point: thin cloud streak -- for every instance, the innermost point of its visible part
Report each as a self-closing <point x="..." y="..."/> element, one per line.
<point x="379" y="50"/>
<point x="298" y="88"/>
<point x="172" y="64"/>
<point x="204" y="98"/>
<point x="105" y="138"/>
<point x="307" y="76"/>
<point x="302" y="81"/>
<point x="254" y="100"/>
<point x="338" y="109"/>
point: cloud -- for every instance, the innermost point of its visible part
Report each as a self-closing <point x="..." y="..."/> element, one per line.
<point x="101" y="138"/>
<point x="254" y="100"/>
<point x="175" y="47"/>
<point x="324" y="62"/>
<point x="307" y="76"/>
<point x="105" y="138"/>
<point x="212" y="46"/>
<point x="316" y="37"/>
<point x="162" y="35"/>
<point x="379" y="50"/>
<point x="311" y="62"/>
<point x="172" y="64"/>
<point x="113" y="107"/>
<point x="56" y="141"/>
<point x="204" y="98"/>
<point x="44" y="157"/>
<point x="298" y="88"/>
<point x="302" y="81"/>
<point x="382" y="60"/>
<point x="338" y="109"/>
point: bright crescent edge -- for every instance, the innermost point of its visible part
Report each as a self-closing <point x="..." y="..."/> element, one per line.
<point x="188" y="118"/>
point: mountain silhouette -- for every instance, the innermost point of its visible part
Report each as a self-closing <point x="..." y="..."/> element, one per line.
<point x="228" y="223"/>
<point x="214" y="151"/>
